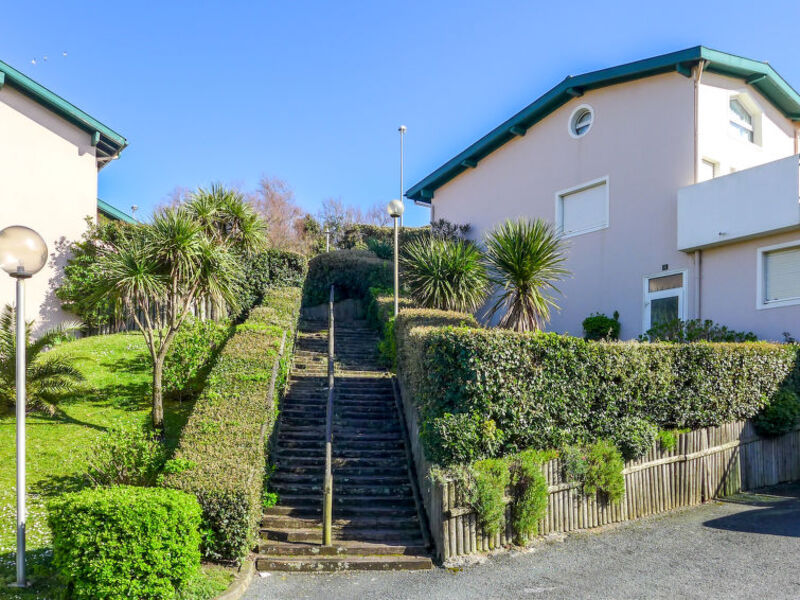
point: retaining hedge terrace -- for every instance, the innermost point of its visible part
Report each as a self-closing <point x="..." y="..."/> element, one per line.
<point x="353" y="272"/>
<point x="223" y="443"/>
<point x="492" y="392"/>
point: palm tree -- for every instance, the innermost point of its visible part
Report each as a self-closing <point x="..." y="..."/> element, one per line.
<point x="445" y="274"/>
<point x="48" y="378"/>
<point x="525" y="260"/>
<point x="157" y="271"/>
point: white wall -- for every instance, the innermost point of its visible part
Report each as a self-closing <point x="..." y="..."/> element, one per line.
<point x="48" y="181"/>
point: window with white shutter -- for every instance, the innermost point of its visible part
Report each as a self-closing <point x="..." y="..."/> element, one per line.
<point x="779" y="275"/>
<point x="582" y="209"/>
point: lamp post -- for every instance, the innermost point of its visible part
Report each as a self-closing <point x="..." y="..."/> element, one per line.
<point x="23" y="253"/>
<point x="327" y="240"/>
<point x="402" y="129"/>
<point x="395" y="210"/>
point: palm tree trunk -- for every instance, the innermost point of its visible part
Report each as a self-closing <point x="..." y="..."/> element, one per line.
<point x="158" y="397"/>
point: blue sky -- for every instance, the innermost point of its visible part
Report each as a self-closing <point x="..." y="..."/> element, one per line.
<point x="313" y="92"/>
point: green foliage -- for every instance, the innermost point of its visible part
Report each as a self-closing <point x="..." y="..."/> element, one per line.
<point x="48" y="378"/>
<point x="360" y="234"/>
<point x="525" y="260"/>
<point x="125" y="542"/>
<point x="127" y="454"/>
<point x="597" y="468"/>
<point x="353" y="272"/>
<point x="780" y="415"/>
<point x="380" y="248"/>
<point x="633" y="435"/>
<point x="529" y="493"/>
<point x="269" y="268"/>
<point x="190" y="356"/>
<point x="444" y="274"/>
<point x="380" y="316"/>
<point x="546" y="390"/>
<point x="598" y="326"/>
<point x="486" y="489"/>
<point x="224" y="437"/>
<point x="668" y="438"/>
<point x="695" y="330"/>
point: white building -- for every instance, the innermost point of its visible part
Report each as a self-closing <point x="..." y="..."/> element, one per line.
<point x="675" y="181"/>
<point x="50" y="154"/>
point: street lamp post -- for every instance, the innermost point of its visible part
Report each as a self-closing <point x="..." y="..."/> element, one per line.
<point x="395" y="210"/>
<point x="23" y="253"/>
<point x="327" y="240"/>
<point x="402" y="129"/>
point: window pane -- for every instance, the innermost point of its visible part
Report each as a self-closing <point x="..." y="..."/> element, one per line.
<point x="782" y="275"/>
<point x="663" y="310"/>
<point x="585" y="209"/>
<point x="739" y="111"/>
<point x="668" y="282"/>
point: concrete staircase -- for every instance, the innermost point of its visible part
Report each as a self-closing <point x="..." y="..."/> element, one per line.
<point x="376" y="516"/>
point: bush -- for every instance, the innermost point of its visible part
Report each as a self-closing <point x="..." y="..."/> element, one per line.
<point x="126" y="455"/>
<point x="529" y="493"/>
<point x="634" y="436"/>
<point x="445" y="275"/>
<point x="190" y="356"/>
<point x="270" y="268"/>
<point x="125" y="542"/>
<point x="780" y="415"/>
<point x="353" y="272"/>
<point x="380" y="248"/>
<point x="597" y="468"/>
<point x="224" y="438"/>
<point x="600" y="327"/>
<point x="486" y="489"/>
<point x="546" y="390"/>
<point x="695" y="330"/>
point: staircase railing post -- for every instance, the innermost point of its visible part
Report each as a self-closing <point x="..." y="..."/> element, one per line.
<point x="327" y="501"/>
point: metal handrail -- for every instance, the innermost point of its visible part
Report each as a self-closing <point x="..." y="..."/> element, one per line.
<point x="327" y="499"/>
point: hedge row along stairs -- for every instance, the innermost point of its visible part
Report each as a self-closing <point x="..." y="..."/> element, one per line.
<point x="377" y="514"/>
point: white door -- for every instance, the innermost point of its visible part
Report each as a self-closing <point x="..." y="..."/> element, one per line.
<point x="664" y="298"/>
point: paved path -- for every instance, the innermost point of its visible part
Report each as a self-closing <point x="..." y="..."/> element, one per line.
<point x="748" y="548"/>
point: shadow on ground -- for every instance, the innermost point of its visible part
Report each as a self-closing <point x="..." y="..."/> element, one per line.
<point x="775" y="512"/>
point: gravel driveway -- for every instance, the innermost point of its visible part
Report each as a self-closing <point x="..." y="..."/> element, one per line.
<point x="747" y="547"/>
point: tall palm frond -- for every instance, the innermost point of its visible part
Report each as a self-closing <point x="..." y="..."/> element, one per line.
<point x="525" y="259"/>
<point x="227" y="218"/>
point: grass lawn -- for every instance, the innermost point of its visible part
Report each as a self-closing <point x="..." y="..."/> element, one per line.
<point x="117" y="390"/>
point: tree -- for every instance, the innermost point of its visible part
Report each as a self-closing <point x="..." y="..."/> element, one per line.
<point x="377" y="215"/>
<point x="157" y="271"/>
<point x="337" y="216"/>
<point x="275" y="202"/>
<point x="48" y="378"/>
<point x="525" y="259"/>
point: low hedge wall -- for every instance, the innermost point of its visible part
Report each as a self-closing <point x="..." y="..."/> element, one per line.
<point x="125" y="542"/>
<point x="353" y="272"/>
<point x="223" y="443"/>
<point x="483" y="393"/>
<point x="270" y="268"/>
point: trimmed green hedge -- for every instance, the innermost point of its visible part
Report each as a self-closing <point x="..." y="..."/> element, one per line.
<point x="353" y="272"/>
<point x="125" y="542"/>
<point x="359" y="234"/>
<point x="224" y="439"/>
<point x="493" y="392"/>
<point x="270" y="268"/>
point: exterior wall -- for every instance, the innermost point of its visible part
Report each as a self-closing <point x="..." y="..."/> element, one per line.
<point x="728" y="290"/>
<point x="642" y="139"/>
<point x="48" y="181"/>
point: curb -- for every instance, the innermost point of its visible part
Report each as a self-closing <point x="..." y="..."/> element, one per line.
<point x="241" y="582"/>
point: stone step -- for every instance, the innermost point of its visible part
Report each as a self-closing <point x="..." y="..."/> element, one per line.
<point x="315" y="511"/>
<point x="341" y="488"/>
<point x="314" y="536"/>
<point x="347" y="563"/>
<point x="339" y="548"/>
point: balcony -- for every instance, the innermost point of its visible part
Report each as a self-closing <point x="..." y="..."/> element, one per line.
<point x="746" y="204"/>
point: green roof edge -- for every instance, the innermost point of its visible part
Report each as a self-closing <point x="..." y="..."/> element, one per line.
<point x="113" y="142"/>
<point x="772" y="86"/>
<point x="114" y="213"/>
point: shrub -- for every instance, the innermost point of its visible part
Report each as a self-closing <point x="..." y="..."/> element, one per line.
<point x="780" y="415"/>
<point x="270" y="268"/>
<point x="668" y="438"/>
<point x="445" y="275"/>
<point x="126" y="455"/>
<point x="598" y="326"/>
<point x="546" y="390"/>
<point x="190" y="355"/>
<point x="353" y="272"/>
<point x="486" y="487"/>
<point x="529" y="493"/>
<point x="125" y="542"/>
<point x="597" y="468"/>
<point x="695" y="330"/>
<point x="633" y="435"/>
<point x="225" y="436"/>
<point x="380" y="248"/>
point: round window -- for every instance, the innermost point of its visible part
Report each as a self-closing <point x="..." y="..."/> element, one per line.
<point x="581" y="121"/>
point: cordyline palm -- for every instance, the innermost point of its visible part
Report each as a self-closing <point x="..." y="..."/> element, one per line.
<point x="227" y="218"/>
<point x="525" y="260"/>
<point x="445" y="274"/>
<point x="159" y="270"/>
<point x="48" y="378"/>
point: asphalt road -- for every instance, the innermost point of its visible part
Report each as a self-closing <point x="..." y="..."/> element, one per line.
<point x="748" y="547"/>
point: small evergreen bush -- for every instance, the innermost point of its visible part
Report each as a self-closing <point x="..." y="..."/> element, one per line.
<point x="597" y="468"/>
<point x="695" y="330"/>
<point x="125" y="542"/>
<point x="529" y="493"/>
<point x="780" y="415"/>
<point x="598" y="326"/>
<point x="126" y="455"/>
<point x="380" y="248"/>
<point x="486" y="489"/>
<point x="190" y="355"/>
<point x="270" y="268"/>
<point x="633" y="435"/>
<point x="352" y="272"/>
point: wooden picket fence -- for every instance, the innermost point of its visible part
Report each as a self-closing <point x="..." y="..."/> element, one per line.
<point x="705" y="464"/>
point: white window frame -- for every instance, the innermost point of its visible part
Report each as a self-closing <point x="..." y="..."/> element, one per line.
<point x="714" y="168"/>
<point x="559" y="220"/>
<point x="571" y="121"/>
<point x="753" y="109"/>
<point x="761" y="287"/>
<point x="648" y="296"/>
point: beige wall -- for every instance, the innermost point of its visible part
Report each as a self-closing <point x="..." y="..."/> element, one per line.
<point x="48" y="181"/>
<point x="642" y="139"/>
